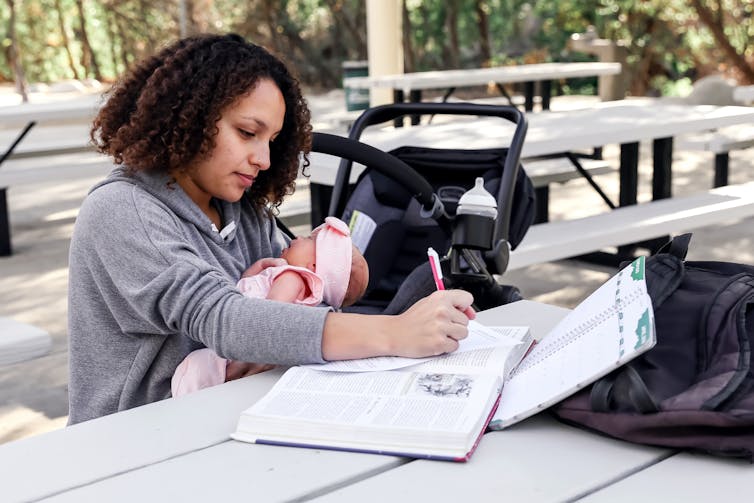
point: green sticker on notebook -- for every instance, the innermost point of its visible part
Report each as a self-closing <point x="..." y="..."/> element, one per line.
<point x="637" y="269"/>
<point x="643" y="330"/>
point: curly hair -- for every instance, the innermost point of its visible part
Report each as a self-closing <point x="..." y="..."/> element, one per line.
<point x="163" y="114"/>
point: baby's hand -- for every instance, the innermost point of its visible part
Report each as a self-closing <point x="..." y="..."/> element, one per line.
<point x="262" y="264"/>
<point x="236" y="370"/>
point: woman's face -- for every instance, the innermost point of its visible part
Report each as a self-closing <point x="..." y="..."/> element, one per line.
<point x="242" y="147"/>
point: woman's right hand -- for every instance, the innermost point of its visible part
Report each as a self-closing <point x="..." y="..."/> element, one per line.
<point x="432" y="326"/>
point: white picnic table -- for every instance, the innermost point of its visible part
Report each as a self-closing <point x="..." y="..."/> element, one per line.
<point x="625" y="122"/>
<point x="82" y="109"/>
<point x="17" y="122"/>
<point x="179" y="449"/>
<point x="412" y="84"/>
<point x="15" y="119"/>
<point x="743" y="94"/>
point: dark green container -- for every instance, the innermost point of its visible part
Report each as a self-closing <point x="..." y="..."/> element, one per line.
<point x="356" y="99"/>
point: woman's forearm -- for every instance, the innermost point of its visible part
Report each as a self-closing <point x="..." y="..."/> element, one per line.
<point x="432" y="326"/>
<point x="348" y="336"/>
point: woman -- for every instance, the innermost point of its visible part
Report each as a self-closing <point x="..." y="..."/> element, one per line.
<point x="207" y="134"/>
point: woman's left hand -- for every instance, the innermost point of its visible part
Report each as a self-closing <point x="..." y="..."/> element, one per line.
<point x="262" y="264"/>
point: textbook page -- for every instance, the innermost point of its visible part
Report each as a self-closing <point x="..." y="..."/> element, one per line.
<point x="505" y="339"/>
<point x="417" y="414"/>
<point x="500" y="360"/>
<point x="612" y="326"/>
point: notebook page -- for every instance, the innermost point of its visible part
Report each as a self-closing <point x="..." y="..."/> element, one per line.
<point x="612" y="326"/>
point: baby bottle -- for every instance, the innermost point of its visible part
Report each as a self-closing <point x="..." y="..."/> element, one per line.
<point x="475" y="218"/>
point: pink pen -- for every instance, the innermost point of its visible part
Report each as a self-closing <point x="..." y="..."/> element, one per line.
<point x="434" y="263"/>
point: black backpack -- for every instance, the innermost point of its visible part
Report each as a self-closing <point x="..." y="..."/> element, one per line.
<point x="695" y="388"/>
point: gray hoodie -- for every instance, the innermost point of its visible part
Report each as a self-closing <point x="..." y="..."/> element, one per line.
<point x="151" y="280"/>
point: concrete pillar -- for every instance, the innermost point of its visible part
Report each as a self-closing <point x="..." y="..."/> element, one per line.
<point x="611" y="87"/>
<point x="384" y="44"/>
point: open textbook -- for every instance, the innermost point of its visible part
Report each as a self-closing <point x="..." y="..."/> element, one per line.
<point x="610" y="327"/>
<point x="434" y="408"/>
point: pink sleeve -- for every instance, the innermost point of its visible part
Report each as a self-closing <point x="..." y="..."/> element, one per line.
<point x="200" y="369"/>
<point x="259" y="285"/>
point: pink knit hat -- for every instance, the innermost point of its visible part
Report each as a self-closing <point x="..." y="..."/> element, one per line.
<point x="333" y="258"/>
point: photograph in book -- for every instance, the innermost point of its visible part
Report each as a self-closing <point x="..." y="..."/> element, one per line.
<point x="434" y="408"/>
<point x="612" y="326"/>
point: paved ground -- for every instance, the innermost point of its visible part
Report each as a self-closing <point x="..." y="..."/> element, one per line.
<point x="45" y="194"/>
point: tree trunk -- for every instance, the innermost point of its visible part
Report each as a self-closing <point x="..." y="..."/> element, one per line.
<point x="200" y="15"/>
<point x="356" y="32"/>
<point x="285" y="29"/>
<point x="641" y="74"/>
<point x="484" y="32"/>
<point x="268" y="12"/>
<point x="14" y="55"/>
<point x="737" y="60"/>
<point x="421" y="50"/>
<point x="66" y="42"/>
<point x="112" y="36"/>
<point x="451" y="24"/>
<point x="88" y="59"/>
<point x="150" y="42"/>
<point x="409" y="62"/>
<point x="123" y="42"/>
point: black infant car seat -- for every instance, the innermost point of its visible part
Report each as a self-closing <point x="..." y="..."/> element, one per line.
<point x="405" y="201"/>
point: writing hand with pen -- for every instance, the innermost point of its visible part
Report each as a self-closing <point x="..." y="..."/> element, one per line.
<point x="434" y="263"/>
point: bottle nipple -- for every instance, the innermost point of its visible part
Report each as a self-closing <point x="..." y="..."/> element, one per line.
<point x="477" y="201"/>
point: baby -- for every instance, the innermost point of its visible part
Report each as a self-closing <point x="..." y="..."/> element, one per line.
<point x="324" y="267"/>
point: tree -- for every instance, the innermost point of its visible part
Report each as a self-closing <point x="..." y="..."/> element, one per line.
<point x="88" y="58"/>
<point x="409" y="64"/>
<point x="482" y="19"/>
<point x="667" y="40"/>
<point x="453" y="49"/>
<point x="66" y="42"/>
<point x="13" y="56"/>
<point x="723" y="22"/>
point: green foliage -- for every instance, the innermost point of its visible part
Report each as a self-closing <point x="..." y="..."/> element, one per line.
<point x="667" y="44"/>
<point x="680" y="87"/>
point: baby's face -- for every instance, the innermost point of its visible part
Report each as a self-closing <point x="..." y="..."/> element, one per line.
<point x="301" y="252"/>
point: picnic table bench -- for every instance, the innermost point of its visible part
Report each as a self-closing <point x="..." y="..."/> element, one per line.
<point x="722" y="141"/>
<point x="19" y="121"/>
<point x="562" y="239"/>
<point x="21" y="341"/>
<point x="45" y="140"/>
<point x="65" y="130"/>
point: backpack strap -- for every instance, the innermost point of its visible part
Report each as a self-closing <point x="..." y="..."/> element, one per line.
<point x="620" y="390"/>
<point x="664" y="274"/>
<point x="678" y="246"/>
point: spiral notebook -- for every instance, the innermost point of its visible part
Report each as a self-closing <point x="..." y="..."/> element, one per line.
<point x="609" y="328"/>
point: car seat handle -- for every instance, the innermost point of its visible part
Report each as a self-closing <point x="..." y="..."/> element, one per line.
<point x="386" y="164"/>
<point x="384" y="113"/>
